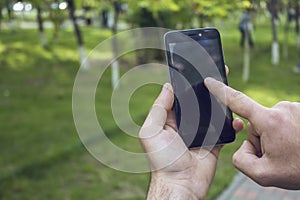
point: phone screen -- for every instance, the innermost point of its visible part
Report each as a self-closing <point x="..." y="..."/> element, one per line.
<point x="193" y="55"/>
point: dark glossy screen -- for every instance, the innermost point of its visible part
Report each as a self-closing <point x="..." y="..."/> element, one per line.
<point x="206" y="126"/>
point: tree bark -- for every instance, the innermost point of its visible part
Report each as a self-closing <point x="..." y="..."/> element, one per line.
<point x="77" y="32"/>
<point x="43" y="41"/>
<point x="115" y="65"/>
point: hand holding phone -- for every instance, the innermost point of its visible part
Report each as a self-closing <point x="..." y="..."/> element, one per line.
<point x="193" y="55"/>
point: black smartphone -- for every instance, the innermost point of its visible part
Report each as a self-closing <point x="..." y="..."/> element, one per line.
<point x="193" y="55"/>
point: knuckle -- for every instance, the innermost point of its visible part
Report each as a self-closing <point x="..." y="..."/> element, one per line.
<point x="275" y="118"/>
<point x="236" y="159"/>
<point x="249" y="126"/>
<point x="283" y="104"/>
<point x="235" y="97"/>
<point x="257" y="172"/>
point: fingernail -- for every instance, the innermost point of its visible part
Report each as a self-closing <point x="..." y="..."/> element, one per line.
<point x="209" y="80"/>
<point x="165" y="88"/>
<point x="245" y="141"/>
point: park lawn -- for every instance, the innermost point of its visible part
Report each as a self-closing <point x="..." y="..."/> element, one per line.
<point x="41" y="154"/>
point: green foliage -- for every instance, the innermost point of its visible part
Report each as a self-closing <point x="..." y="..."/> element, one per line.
<point x="142" y="17"/>
<point x="41" y="154"/>
<point x="172" y="13"/>
<point x="154" y="6"/>
<point x="152" y="13"/>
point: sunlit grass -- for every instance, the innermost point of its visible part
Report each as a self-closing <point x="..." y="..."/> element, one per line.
<point x="40" y="149"/>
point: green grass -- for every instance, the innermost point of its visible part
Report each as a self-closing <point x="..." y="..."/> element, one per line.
<point x="41" y="154"/>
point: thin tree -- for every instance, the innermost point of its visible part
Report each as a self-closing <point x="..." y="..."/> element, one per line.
<point x="297" y="28"/>
<point x="43" y="40"/>
<point x="77" y="32"/>
<point x="286" y="29"/>
<point x="115" y="65"/>
<point x="39" y="8"/>
<point x="1" y="14"/>
<point x="273" y="9"/>
<point x="8" y="4"/>
<point x="246" y="65"/>
<point x="57" y="18"/>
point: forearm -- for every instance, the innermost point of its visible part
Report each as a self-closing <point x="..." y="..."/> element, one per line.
<point x="164" y="189"/>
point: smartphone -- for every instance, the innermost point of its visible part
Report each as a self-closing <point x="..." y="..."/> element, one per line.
<point x="193" y="55"/>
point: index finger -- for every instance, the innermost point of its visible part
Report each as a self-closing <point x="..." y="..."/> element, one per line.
<point x="237" y="101"/>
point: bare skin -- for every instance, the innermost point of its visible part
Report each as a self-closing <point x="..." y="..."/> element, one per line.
<point x="270" y="156"/>
<point x="190" y="176"/>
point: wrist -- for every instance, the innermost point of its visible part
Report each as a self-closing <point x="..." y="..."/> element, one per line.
<point x="163" y="187"/>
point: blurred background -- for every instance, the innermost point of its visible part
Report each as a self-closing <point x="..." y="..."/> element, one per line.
<point x="43" y="44"/>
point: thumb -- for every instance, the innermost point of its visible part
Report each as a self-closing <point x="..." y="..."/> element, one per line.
<point x="158" y="114"/>
<point x="246" y="160"/>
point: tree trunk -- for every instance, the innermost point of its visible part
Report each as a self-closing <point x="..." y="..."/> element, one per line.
<point x="104" y="18"/>
<point x="275" y="45"/>
<point x="272" y="6"/>
<point x="246" y="67"/>
<point x="286" y="36"/>
<point x="43" y="40"/>
<point x="115" y="65"/>
<point x="83" y="57"/>
<point x="56" y="26"/>
<point x="9" y="14"/>
<point x="1" y="17"/>
<point x="297" y="28"/>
